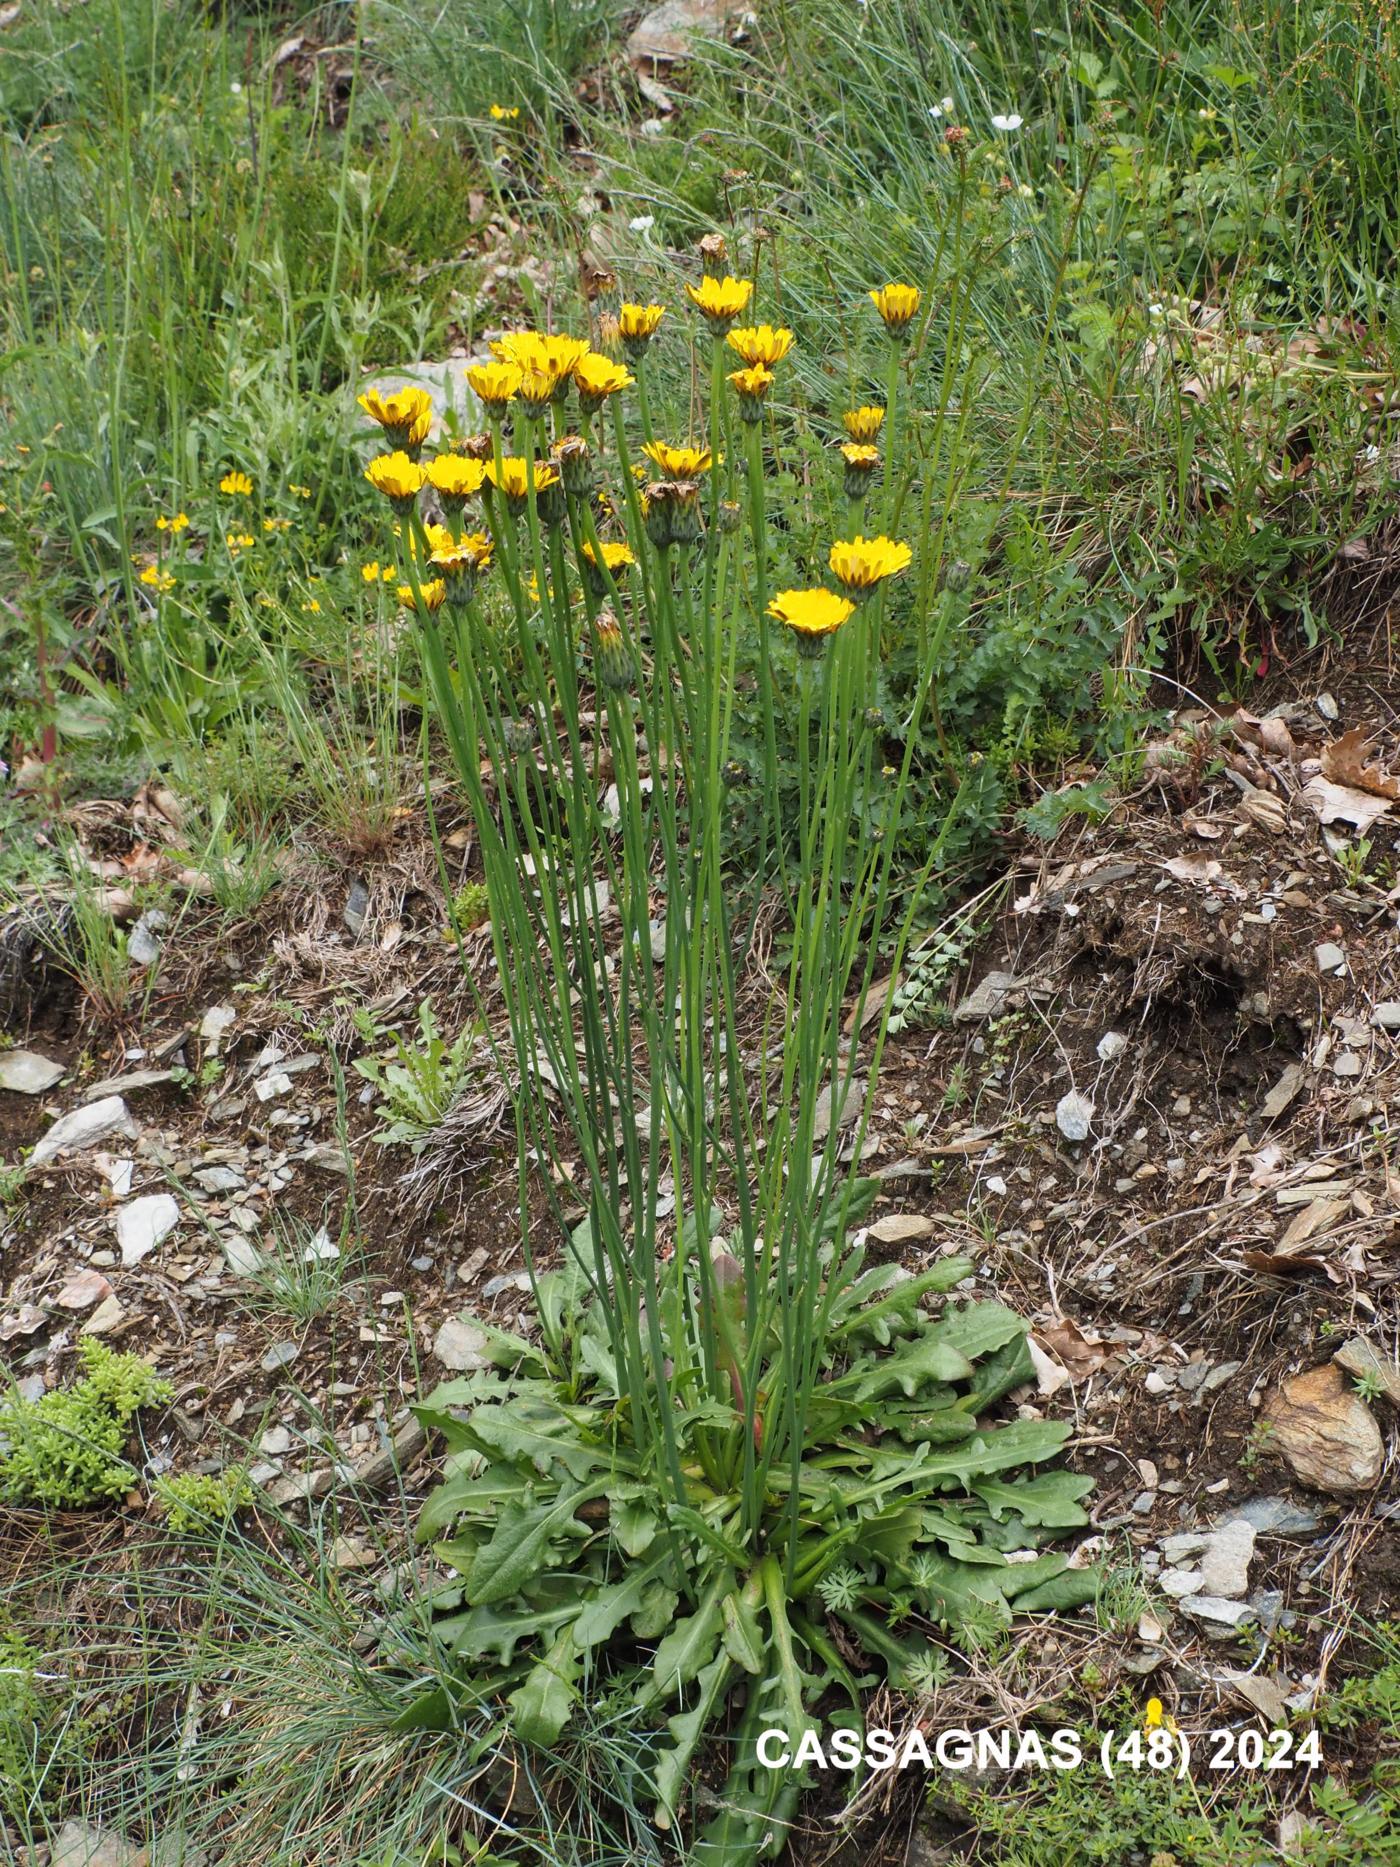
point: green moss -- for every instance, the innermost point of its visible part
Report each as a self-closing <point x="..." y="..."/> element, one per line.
<point x="65" y="1449"/>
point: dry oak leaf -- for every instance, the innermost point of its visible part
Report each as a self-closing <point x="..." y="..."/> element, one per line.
<point x="1344" y="762"/>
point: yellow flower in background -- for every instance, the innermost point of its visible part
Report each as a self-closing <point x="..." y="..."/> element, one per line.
<point x="239" y="541"/>
<point x="434" y="594"/>
<point x="615" y="557"/>
<point x="277" y="525"/>
<point x="157" y="579"/>
<point x="177" y="524"/>
<point x="504" y="113"/>
<point x="812" y="615"/>
<point x="865" y="423"/>
<point x="405" y="415"/>
<point x="472" y="551"/>
<point x="495" y="383"/>
<point x="302" y="492"/>
<point x="760" y="343"/>
<point x="637" y="325"/>
<point x="859" y="563"/>
<point x="236" y="482"/>
<point x="456" y="477"/>
<point x="679" y="463"/>
<point x="397" y="477"/>
<point x="720" y="300"/>
<point x="512" y="476"/>
<point x="535" y="350"/>
<point x="896" y="304"/>
<point x="597" y="377"/>
<point x="1155" y="1718"/>
<point x="312" y="606"/>
<point x="375" y="572"/>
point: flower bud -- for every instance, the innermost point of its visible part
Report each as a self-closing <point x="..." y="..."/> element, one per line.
<point x="574" y="459"/>
<point x="611" y="656"/>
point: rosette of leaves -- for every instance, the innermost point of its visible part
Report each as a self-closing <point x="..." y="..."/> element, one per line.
<point x="574" y="1573"/>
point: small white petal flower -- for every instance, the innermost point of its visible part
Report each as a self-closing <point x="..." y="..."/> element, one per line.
<point x="935" y="111"/>
<point x="643" y="223"/>
<point x="1007" y="124"/>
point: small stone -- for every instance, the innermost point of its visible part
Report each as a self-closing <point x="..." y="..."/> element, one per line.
<point x="1278" y="1516"/>
<point x="278" y="1356"/>
<point x="214" y="1023"/>
<point x="1372" y="1365"/>
<point x="1158" y="1383"/>
<point x="1346" y="1064"/>
<point x="1325" y="1431"/>
<point x="1178" y="1583"/>
<point x="1327" y="707"/>
<point x="77" y="1845"/>
<point x="218" y="1179"/>
<point x="1330" y="957"/>
<point x="264" y="1472"/>
<point x="142" y="944"/>
<point x="461" y="1346"/>
<point x="275" y="1083"/>
<point x="82" y="1290"/>
<point x="84" y="1127"/>
<point x="988" y="997"/>
<point x="1074" y="1115"/>
<point x="663" y="36"/>
<point x="242" y="1256"/>
<point x="1387" y="1015"/>
<point x="1110" y="1046"/>
<point x="142" y="1225"/>
<point x="26" y="1073"/>
<point x="356" y="907"/>
<point x="1213" y="1609"/>
<point x="275" y="1442"/>
<point x="108" y="1314"/>
<point x="507" y="1280"/>
<point x="352" y="1552"/>
<point x="129" y="1084"/>
<point x="1225" y="1564"/>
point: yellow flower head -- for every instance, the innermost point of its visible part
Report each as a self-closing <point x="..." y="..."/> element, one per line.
<point x="534" y="350"/>
<point x="896" y="304"/>
<point x="615" y="556"/>
<point x="538" y="387"/>
<point x="678" y="463"/>
<point x="405" y="415"/>
<point x="157" y="579"/>
<point x="597" y="377"/>
<point x="495" y="383"/>
<point x="471" y="552"/>
<point x="720" y="300"/>
<point x="177" y="524"/>
<point x="811" y="614"/>
<point x="434" y="594"/>
<point x="760" y="343"/>
<point x="512" y="477"/>
<point x="752" y="386"/>
<point x="375" y="572"/>
<point x="236" y="482"/>
<point x="637" y="325"/>
<point x="504" y="113"/>
<point x="859" y="454"/>
<point x="456" y="477"/>
<point x="858" y="564"/>
<point x="397" y="477"/>
<point x="863" y="424"/>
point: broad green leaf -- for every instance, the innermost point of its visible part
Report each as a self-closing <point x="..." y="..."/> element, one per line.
<point x="1071" y="1590"/>
<point x="479" y="1494"/>
<point x="541" y="1706"/>
<point x="487" y="1631"/>
<point x="953" y="1590"/>
<point x="604" y="1612"/>
<point x="1021" y="1442"/>
<point x="635" y="1524"/>
<point x="687" y="1728"/>
<point x="432" y="1711"/>
<point x="743" y="1638"/>
<point x="1023" y="1578"/>
<point x="523" y="1543"/>
<point x="913" y="1365"/>
<point x="656" y="1612"/>
<point x="537" y="1430"/>
<point x="691" y="1642"/>
<point x="883" y="1297"/>
<point x="1052" y="1499"/>
<point x="976" y="1329"/>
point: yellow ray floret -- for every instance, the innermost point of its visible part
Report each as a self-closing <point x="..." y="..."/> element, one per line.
<point x="755" y="381"/>
<point x="721" y="300"/>
<point x="470" y="552"/>
<point x="434" y="594"/>
<point x="535" y="350"/>
<point x="896" y="304"/>
<point x="400" y="408"/>
<point x="811" y="612"/>
<point x="598" y="376"/>
<point x="396" y="476"/>
<point x="512" y="476"/>
<point x="860" y="563"/>
<point x="760" y="343"/>
<point x="495" y="383"/>
<point x="859" y="454"/>
<point x="456" y="476"/>
<point x="236" y="482"/>
<point x="865" y="423"/>
<point x="615" y="556"/>
<point x="678" y="463"/>
<point x="638" y="323"/>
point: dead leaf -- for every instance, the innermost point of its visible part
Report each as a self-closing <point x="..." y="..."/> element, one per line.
<point x="1081" y="1355"/>
<point x="1340" y="803"/>
<point x="1050" y="1375"/>
<point x="1203" y="871"/>
<point x="1344" y="762"/>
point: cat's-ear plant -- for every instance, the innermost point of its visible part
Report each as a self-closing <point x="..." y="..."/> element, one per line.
<point x="728" y="1426"/>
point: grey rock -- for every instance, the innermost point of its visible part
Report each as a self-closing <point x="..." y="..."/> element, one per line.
<point x="664" y="35"/>
<point x="141" y="1225"/>
<point x="1387" y="1015"/>
<point x="129" y="1084"/>
<point x="1214" y="1608"/>
<point x="143" y="943"/>
<point x="1178" y="1583"/>
<point x="1278" y="1516"/>
<point x="77" y="1845"/>
<point x="988" y="996"/>
<point x="278" y="1356"/>
<point x="1110" y="1046"/>
<point x="1372" y="1365"/>
<point x="461" y="1346"/>
<point x="84" y="1127"/>
<point x="275" y="1442"/>
<point x="1330" y="957"/>
<point x="1226" y="1559"/>
<point x="1074" y="1116"/>
<point x="218" y="1179"/>
<point x="26" y="1073"/>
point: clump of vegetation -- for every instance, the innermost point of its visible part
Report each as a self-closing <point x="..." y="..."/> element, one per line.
<point x="65" y="1450"/>
<point x="38" y="1741"/>
<point x="199" y="1501"/>
<point x="417" y="1081"/>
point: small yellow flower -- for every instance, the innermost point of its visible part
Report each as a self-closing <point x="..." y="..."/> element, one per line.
<point x="812" y="615"/>
<point x="752" y="386"/>
<point x="720" y="300"/>
<point x="177" y="524"/>
<point x="760" y="343"/>
<point x="637" y="325"/>
<point x="512" y="476"/>
<point x="858" y="564"/>
<point x="859" y="454"/>
<point x="597" y="377"/>
<point x="678" y="463"/>
<point x="312" y="606"/>
<point x="434" y="594"/>
<point x="615" y="556"/>
<point x="405" y="415"/>
<point x="504" y="113"/>
<point x="1155" y="1718"/>
<point x="495" y="383"/>
<point x="158" y="579"/>
<point x="302" y="492"/>
<point x="277" y="525"/>
<point x="397" y="477"/>
<point x="535" y="350"/>
<point x="896" y="304"/>
<point x="239" y="541"/>
<point x="236" y="482"/>
<point x="455" y="477"/>
<point x="372" y="572"/>
<point x="863" y="424"/>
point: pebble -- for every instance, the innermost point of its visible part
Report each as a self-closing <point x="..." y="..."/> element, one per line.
<point x="1278" y="1516"/>
<point x="242" y="1257"/>
<point x="141" y="1225"/>
<point x="1225" y="1562"/>
<point x="1214" y="1609"/>
<point x="218" y="1179"/>
<point x="142" y="944"/>
<point x="26" y="1073"/>
<point x="1178" y="1583"/>
<point x="1330" y="957"/>
<point x="461" y="1346"/>
<point x="1074" y="1115"/>
<point x="278" y="1356"/>
<point x="275" y="1442"/>
<point x="1387" y="1015"/>
<point x="84" y="1127"/>
<point x="1112" y="1044"/>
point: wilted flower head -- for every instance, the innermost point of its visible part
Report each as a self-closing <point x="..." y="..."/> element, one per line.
<point x="397" y="477"/>
<point x="858" y="564"/>
<point x="761" y="343"/>
<point x="720" y="300"/>
<point x="671" y="510"/>
<point x="812" y="615"/>
<point x="611" y="656"/>
<point x="896" y="304"/>
<point x="714" y="255"/>
<point x="572" y="455"/>
<point x="637" y="325"/>
<point x="495" y="383"/>
<point x="865" y="423"/>
<point x="680" y="463"/>
<point x="405" y="415"/>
